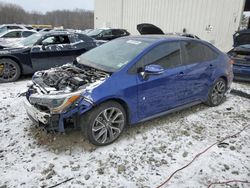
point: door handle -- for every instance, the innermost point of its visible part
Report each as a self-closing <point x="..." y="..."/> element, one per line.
<point x="181" y="73"/>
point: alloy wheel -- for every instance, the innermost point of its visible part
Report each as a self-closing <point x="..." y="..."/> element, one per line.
<point x="8" y="70"/>
<point x="218" y="92"/>
<point x="108" y="125"/>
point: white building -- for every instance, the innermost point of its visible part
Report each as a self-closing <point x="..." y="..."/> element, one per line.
<point x="211" y="20"/>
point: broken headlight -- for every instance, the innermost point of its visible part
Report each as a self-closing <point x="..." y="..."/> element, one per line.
<point x="56" y="103"/>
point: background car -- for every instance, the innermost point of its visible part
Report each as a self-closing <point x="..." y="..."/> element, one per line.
<point x="107" y="33"/>
<point x="41" y="51"/>
<point x="129" y="80"/>
<point x="14" y="35"/>
<point x="241" y="55"/>
<point x="7" y="27"/>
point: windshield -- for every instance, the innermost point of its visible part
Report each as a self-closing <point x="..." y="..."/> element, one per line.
<point x="113" y="55"/>
<point x="31" y="40"/>
<point x="95" y="32"/>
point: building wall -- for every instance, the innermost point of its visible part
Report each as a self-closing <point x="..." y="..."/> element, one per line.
<point x="211" y="20"/>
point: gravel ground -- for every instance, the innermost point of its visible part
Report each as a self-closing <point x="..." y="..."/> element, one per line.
<point x="144" y="156"/>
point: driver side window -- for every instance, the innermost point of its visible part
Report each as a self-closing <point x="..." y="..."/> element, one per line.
<point x="13" y="34"/>
<point x="53" y="40"/>
<point x="106" y="33"/>
<point x="168" y="55"/>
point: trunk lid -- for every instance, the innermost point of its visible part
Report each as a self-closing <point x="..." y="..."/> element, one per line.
<point x="241" y="38"/>
<point x="149" y="29"/>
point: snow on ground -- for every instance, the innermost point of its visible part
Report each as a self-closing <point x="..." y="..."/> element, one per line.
<point x="144" y="156"/>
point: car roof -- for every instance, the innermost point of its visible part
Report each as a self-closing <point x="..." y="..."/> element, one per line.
<point x="107" y="28"/>
<point x="13" y="30"/>
<point x="19" y="30"/>
<point x="4" y="25"/>
<point x="57" y="33"/>
<point x="156" y="38"/>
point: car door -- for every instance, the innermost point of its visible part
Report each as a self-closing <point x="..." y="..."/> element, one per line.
<point x="200" y="65"/>
<point x="165" y="91"/>
<point x="52" y="51"/>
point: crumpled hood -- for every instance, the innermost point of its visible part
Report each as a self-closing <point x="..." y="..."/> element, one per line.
<point x="149" y="29"/>
<point x="241" y="37"/>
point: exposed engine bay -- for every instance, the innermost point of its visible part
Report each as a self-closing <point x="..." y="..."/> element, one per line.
<point x="68" y="77"/>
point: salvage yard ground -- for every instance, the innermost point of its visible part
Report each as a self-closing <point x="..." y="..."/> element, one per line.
<point x="144" y="156"/>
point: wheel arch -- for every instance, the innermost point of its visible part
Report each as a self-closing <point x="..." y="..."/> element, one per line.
<point x="122" y="103"/>
<point x="14" y="59"/>
<point x="225" y="79"/>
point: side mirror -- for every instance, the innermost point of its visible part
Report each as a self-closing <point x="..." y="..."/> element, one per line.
<point x="151" y="70"/>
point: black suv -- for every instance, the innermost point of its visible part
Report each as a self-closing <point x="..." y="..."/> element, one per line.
<point x="107" y="34"/>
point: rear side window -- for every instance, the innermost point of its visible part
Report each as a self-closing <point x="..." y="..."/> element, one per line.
<point x="118" y="32"/>
<point x="168" y="55"/>
<point x="27" y="33"/>
<point x="196" y="52"/>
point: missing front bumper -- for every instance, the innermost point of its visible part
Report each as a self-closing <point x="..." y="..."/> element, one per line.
<point x="36" y="114"/>
<point x="50" y="122"/>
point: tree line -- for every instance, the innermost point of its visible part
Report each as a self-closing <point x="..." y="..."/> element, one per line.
<point x="73" y="19"/>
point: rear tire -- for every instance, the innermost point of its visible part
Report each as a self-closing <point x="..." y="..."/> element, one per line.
<point x="217" y="93"/>
<point x="104" y="124"/>
<point x="9" y="70"/>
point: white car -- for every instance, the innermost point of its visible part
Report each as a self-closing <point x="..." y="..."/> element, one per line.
<point x="6" y="27"/>
<point x="15" y="35"/>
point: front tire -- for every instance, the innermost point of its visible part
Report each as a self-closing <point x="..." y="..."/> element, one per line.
<point x="217" y="93"/>
<point x="9" y="70"/>
<point x="104" y="124"/>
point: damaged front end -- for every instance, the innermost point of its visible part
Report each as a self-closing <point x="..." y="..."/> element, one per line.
<point x="56" y="96"/>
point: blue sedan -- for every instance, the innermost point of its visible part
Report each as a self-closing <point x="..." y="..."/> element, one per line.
<point x="126" y="81"/>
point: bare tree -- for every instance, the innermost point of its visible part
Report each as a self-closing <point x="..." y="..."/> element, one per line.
<point x="75" y="19"/>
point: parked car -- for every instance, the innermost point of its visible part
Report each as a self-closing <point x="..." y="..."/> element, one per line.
<point x="107" y="33"/>
<point x="41" y="51"/>
<point x="241" y="55"/>
<point x="150" y="29"/>
<point x="7" y="27"/>
<point x="15" y="35"/>
<point x="126" y="81"/>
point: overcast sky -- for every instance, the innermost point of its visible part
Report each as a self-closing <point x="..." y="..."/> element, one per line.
<point x="48" y="5"/>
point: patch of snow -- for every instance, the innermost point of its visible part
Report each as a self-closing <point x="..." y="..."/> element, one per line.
<point x="144" y="156"/>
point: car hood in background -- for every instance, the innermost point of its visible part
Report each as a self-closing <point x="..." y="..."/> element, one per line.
<point x="241" y="38"/>
<point x="10" y="44"/>
<point x="149" y="29"/>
